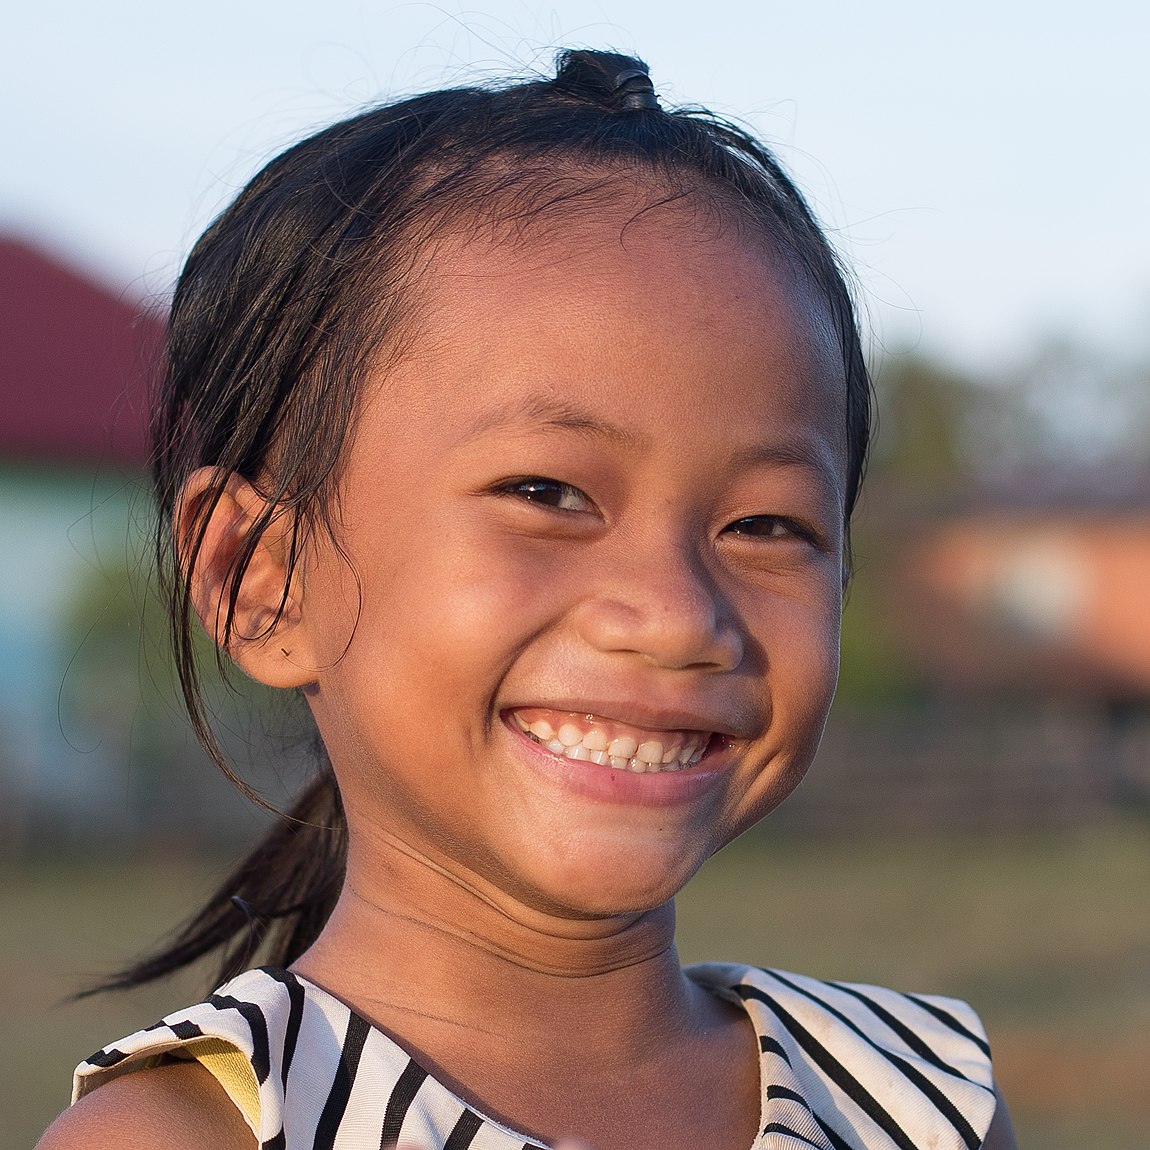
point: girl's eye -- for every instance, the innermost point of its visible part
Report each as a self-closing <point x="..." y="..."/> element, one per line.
<point x="768" y="527"/>
<point x="549" y="493"/>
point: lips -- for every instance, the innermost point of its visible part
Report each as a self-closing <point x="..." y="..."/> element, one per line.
<point x="610" y="743"/>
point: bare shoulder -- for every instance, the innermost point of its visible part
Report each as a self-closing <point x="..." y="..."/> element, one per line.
<point x="173" y="1107"/>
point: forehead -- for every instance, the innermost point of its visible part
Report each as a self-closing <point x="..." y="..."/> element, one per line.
<point x="618" y="307"/>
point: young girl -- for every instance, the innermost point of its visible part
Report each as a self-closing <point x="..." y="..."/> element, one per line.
<point x="518" y="429"/>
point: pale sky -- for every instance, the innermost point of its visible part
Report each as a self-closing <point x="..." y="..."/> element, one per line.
<point x="984" y="166"/>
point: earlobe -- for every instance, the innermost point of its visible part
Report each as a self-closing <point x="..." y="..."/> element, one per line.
<point x="226" y="531"/>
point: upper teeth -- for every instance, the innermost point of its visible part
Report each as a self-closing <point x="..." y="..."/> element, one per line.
<point x="600" y="741"/>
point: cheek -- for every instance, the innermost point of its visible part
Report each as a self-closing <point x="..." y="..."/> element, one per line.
<point x="481" y="596"/>
<point x="807" y="666"/>
<point x="800" y="685"/>
<point x="823" y="622"/>
<point x="437" y="625"/>
<point x="796" y="616"/>
<point x="798" y="644"/>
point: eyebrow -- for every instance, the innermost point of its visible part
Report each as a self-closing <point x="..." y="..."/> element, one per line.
<point x="545" y="411"/>
<point x="793" y="453"/>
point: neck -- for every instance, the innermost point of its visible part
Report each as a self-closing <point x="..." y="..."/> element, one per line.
<point x="490" y="994"/>
<point x="407" y="932"/>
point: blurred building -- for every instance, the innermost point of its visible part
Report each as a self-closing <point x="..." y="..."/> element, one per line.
<point x="1050" y="599"/>
<point x="1021" y="623"/>
<point x="93" y="745"/>
<point x="77" y="757"/>
<point x="73" y="361"/>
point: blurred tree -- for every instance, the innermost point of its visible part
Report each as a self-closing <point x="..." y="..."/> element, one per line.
<point x="919" y="456"/>
<point x="1070" y="422"/>
<point x="924" y="411"/>
<point x="1068" y="410"/>
<point x="117" y="700"/>
<point x="873" y="673"/>
<point x="120" y="699"/>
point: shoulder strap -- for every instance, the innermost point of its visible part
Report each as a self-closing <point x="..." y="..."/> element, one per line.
<point x="848" y="1066"/>
<point x="244" y="1035"/>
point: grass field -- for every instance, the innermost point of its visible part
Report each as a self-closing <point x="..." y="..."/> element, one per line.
<point x="1048" y="935"/>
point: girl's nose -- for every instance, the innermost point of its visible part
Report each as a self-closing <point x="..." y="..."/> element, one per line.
<point x="666" y="609"/>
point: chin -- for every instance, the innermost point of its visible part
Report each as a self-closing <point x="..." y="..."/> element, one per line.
<point x="607" y="883"/>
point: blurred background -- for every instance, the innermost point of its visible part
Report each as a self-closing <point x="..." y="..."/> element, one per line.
<point x="978" y="821"/>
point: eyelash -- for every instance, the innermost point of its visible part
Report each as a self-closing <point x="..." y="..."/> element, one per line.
<point x="789" y="528"/>
<point x="529" y="488"/>
<point x="533" y="485"/>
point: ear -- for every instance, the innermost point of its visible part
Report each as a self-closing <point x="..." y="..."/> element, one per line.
<point x="259" y="643"/>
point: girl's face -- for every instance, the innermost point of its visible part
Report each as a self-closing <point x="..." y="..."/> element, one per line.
<point x="593" y="517"/>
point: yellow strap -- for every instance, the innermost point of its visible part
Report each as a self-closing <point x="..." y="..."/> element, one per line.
<point x="231" y="1069"/>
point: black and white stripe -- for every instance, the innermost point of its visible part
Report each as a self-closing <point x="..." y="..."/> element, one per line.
<point x="874" y="1068"/>
<point x="844" y="1067"/>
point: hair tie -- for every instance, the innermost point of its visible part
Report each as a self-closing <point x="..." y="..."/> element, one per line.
<point x="610" y="79"/>
<point x="634" y="91"/>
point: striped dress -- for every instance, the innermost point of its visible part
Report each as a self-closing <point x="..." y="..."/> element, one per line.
<point x="843" y="1067"/>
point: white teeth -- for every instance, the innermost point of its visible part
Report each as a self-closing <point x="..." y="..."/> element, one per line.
<point x="595" y="740"/>
<point x="570" y="735"/>
<point x="650" y="752"/>
<point x="624" y="747"/>
<point x="590" y="743"/>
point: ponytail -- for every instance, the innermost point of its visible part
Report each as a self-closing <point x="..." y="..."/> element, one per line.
<point x="274" y="903"/>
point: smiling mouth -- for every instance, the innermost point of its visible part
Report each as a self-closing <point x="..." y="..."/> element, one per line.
<point x="588" y="738"/>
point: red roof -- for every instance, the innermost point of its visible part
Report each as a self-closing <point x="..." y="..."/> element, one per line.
<point x="74" y="357"/>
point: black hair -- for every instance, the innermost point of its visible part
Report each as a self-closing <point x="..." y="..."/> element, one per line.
<point x="299" y="285"/>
